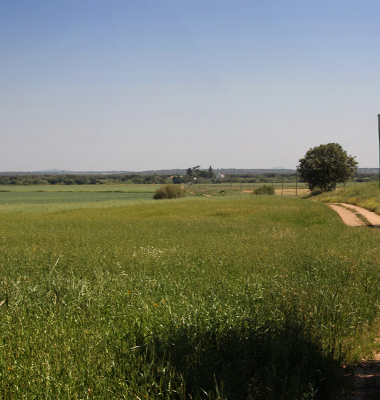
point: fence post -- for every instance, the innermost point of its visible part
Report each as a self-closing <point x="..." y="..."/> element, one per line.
<point x="282" y="190"/>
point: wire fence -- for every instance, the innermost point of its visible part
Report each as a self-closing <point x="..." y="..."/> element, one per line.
<point x="280" y="186"/>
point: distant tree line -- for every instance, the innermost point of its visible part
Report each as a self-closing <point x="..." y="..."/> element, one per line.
<point x="201" y="176"/>
<point x="72" y="179"/>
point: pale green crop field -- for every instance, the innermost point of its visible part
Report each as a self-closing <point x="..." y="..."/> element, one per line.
<point x="73" y="194"/>
<point x="69" y="197"/>
<point x="206" y="298"/>
<point x="80" y="188"/>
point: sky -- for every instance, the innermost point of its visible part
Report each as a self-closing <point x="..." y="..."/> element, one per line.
<point x="134" y="85"/>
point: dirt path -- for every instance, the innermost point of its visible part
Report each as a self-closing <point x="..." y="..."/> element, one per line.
<point x="348" y="217"/>
<point x="371" y="217"/>
<point x="364" y="381"/>
<point x="356" y="216"/>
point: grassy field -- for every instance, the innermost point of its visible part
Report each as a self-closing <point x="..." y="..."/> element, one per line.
<point x="49" y="195"/>
<point x="227" y="297"/>
<point x="68" y="197"/>
<point x="79" y="188"/>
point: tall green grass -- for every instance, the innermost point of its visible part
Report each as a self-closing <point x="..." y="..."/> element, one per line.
<point x="221" y="298"/>
<point x="365" y="195"/>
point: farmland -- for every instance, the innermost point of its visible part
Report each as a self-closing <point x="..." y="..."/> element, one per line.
<point x="228" y="297"/>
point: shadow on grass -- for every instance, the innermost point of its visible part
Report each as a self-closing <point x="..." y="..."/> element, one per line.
<point x="245" y="362"/>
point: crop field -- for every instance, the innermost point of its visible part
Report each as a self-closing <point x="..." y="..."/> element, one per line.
<point x="141" y="188"/>
<point x="73" y="194"/>
<point x="225" y="297"/>
<point x="67" y="197"/>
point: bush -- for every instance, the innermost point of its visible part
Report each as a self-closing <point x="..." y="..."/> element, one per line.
<point x="168" y="192"/>
<point x="267" y="190"/>
<point x="316" y="192"/>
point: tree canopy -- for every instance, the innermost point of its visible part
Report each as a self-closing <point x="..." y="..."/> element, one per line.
<point x="325" y="166"/>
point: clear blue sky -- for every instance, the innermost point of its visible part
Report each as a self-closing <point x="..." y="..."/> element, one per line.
<point x="143" y="84"/>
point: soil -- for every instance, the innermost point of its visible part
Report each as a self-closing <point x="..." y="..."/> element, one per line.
<point x="362" y="381"/>
<point x="356" y="216"/>
<point x="292" y="192"/>
<point x="347" y="216"/>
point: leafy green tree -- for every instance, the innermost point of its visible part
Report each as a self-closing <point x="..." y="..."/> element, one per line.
<point x="325" y="166"/>
<point x="80" y="180"/>
<point x="137" y="180"/>
<point x="196" y="170"/>
<point x="211" y="173"/>
<point x="149" y="179"/>
<point x="203" y="174"/>
<point x="53" y="181"/>
<point x="178" y="179"/>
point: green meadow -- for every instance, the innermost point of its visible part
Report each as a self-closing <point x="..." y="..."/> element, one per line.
<point x="225" y="297"/>
<point x="79" y="188"/>
<point x="73" y="194"/>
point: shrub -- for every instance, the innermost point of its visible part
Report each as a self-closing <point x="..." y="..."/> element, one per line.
<point x="168" y="192"/>
<point x="267" y="190"/>
<point x="317" y="192"/>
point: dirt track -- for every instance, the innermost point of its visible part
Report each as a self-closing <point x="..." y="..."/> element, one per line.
<point x="364" y="382"/>
<point x="349" y="214"/>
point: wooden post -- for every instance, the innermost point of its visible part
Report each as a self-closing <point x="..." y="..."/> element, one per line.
<point x="297" y="183"/>
<point x="282" y="189"/>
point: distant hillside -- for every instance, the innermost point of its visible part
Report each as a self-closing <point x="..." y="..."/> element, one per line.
<point x="368" y="170"/>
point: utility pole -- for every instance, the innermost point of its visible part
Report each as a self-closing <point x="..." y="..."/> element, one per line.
<point x="378" y="118"/>
<point x="282" y="188"/>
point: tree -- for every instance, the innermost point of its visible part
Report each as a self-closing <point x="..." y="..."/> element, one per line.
<point x="178" y="179"/>
<point x="325" y="166"/>
<point x="211" y="173"/>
